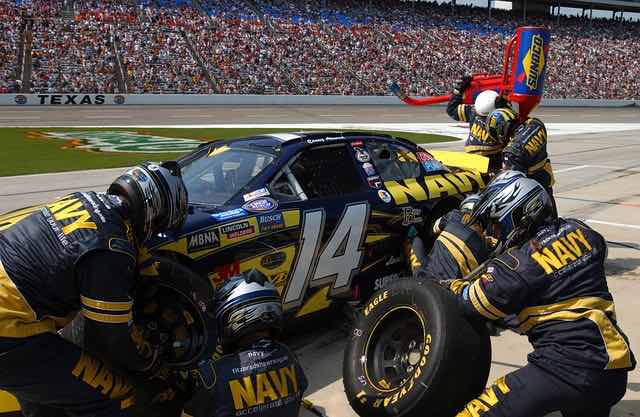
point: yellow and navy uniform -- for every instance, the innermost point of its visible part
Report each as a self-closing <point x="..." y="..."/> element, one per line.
<point x="555" y="287"/>
<point x="457" y="251"/>
<point x="73" y="255"/>
<point x="263" y="380"/>
<point x="479" y="141"/>
<point x="527" y="152"/>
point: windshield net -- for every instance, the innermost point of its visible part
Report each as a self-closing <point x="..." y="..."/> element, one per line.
<point x="217" y="175"/>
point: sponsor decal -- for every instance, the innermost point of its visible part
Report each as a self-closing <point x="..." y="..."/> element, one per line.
<point x="432" y="166"/>
<point x="383" y="282"/>
<point x="375" y="301"/>
<point x="230" y="214"/>
<point x="362" y="155"/>
<point x="273" y="260"/>
<point x="436" y="186"/>
<point x="208" y="239"/>
<point x="116" y="141"/>
<point x="236" y="230"/>
<point x="384" y="196"/>
<point x="261" y="205"/>
<point x="271" y="222"/>
<point x="375" y="181"/>
<point x="357" y="144"/>
<point x="533" y="62"/>
<point x="424" y="156"/>
<point x="21" y="99"/>
<point x="322" y="140"/>
<point x="393" y="260"/>
<point x="368" y="168"/>
<point x="260" y="192"/>
<point x="224" y="272"/>
<point x="411" y="216"/>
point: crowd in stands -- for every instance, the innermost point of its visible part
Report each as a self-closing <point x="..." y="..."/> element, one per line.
<point x="349" y="47"/>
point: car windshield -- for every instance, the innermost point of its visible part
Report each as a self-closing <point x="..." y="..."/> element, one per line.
<point x="217" y="175"/>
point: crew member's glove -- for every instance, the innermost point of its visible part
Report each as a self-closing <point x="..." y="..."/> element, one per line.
<point x="462" y="85"/>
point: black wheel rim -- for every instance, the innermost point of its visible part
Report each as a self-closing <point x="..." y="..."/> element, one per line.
<point x="394" y="349"/>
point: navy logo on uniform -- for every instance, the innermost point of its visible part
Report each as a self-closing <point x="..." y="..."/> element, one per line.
<point x="204" y="240"/>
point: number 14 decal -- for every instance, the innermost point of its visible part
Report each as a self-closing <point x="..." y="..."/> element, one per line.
<point x="337" y="262"/>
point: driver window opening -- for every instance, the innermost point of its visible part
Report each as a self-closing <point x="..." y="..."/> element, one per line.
<point x="394" y="162"/>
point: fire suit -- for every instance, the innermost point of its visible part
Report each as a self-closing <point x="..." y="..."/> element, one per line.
<point x="527" y="152"/>
<point x="457" y="251"/>
<point x="263" y="380"/>
<point x="479" y="141"/>
<point x="76" y="254"/>
<point x="556" y="287"/>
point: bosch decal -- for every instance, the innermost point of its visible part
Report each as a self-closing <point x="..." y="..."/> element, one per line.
<point x="261" y="205"/>
<point x="271" y="222"/>
<point x="236" y="230"/>
<point x="204" y="240"/>
<point x="231" y="214"/>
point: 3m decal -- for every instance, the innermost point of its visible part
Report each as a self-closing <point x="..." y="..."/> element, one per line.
<point x="336" y="262"/>
<point x="116" y="141"/>
<point x="203" y="240"/>
<point x="434" y="186"/>
<point x="224" y="272"/>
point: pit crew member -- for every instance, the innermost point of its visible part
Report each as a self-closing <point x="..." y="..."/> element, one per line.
<point x="259" y="376"/>
<point x="552" y="279"/>
<point x="78" y="254"/>
<point x="480" y="140"/>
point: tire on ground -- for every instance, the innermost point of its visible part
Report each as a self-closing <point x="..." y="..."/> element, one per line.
<point x="413" y="353"/>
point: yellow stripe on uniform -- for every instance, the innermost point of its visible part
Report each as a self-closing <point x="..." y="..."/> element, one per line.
<point x="485" y="301"/>
<point x="457" y="255"/>
<point x="540" y="165"/>
<point x="483" y="150"/>
<point x="461" y="116"/>
<point x="596" y="311"/>
<point x="106" y="305"/>
<point x="107" y="318"/>
<point x="475" y="300"/>
<point x="471" y="260"/>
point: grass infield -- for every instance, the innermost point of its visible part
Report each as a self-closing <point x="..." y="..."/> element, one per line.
<point x="32" y="151"/>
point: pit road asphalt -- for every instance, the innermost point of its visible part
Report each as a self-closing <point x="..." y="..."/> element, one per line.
<point x="597" y="179"/>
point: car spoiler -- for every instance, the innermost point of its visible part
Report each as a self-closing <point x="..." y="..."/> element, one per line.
<point x="462" y="160"/>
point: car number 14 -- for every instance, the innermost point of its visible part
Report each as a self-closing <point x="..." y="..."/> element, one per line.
<point x="336" y="263"/>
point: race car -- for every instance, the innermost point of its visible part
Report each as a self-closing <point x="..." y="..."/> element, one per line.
<point x="323" y="215"/>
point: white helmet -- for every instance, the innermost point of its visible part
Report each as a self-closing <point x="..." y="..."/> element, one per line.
<point x="486" y="102"/>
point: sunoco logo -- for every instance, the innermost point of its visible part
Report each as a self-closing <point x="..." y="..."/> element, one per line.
<point x="533" y="62"/>
<point x="204" y="240"/>
<point x="121" y="141"/>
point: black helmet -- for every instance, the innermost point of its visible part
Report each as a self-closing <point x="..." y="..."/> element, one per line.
<point x="512" y="207"/>
<point x="155" y="196"/>
<point x="500" y="123"/>
<point x="245" y="305"/>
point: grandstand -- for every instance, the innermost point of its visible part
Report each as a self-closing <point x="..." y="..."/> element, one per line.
<point x="345" y="47"/>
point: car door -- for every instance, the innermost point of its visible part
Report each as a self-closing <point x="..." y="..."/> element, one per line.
<point x="325" y="184"/>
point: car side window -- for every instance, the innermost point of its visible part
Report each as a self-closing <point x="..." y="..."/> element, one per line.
<point x="394" y="162"/>
<point x="327" y="171"/>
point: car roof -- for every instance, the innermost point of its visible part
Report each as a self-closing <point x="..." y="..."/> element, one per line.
<point x="306" y="139"/>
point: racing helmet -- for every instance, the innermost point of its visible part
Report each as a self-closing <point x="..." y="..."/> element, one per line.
<point x="155" y="196"/>
<point x="247" y="305"/>
<point x="512" y="208"/>
<point x="485" y="102"/>
<point x="499" y="123"/>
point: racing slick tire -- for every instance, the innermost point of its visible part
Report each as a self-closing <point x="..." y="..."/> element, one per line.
<point x="413" y="353"/>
